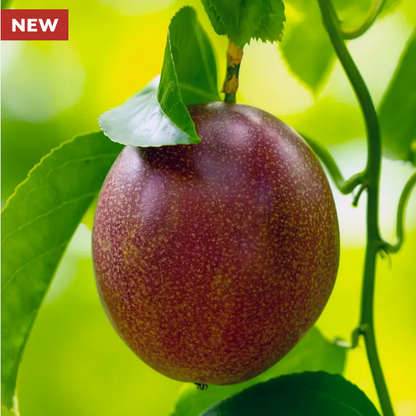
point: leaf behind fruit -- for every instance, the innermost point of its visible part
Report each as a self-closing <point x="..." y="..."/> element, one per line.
<point x="306" y="47"/>
<point x="306" y="394"/>
<point x="157" y="115"/>
<point x="38" y="222"/>
<point x="313" y="353"/>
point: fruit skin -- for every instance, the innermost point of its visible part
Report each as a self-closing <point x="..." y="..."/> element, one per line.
<point x="213" y="260"/>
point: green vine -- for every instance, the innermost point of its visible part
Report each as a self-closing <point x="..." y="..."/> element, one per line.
<point x="343" y="185"/>
<point x="404" y="198"/>
<point x="369" y="181"/>
<point x="372" y="15"/>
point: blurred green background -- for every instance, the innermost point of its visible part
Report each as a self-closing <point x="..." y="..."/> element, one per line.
<point x="74" y="363"/>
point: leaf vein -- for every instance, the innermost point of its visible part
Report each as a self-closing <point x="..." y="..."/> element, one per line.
<point x="13" y="276"/>
<point x="326" y="396"/>
<point x="196" y="90"/>
<point x="56" y="208"/>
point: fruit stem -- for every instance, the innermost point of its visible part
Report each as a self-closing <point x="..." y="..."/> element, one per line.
<point x="401" y="209"/>
<point x="234" y="57"/>
<point x="371" y="17"/>
<point x="371" y="180"/>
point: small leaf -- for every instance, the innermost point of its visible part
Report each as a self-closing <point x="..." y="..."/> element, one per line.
<point x="140" y="121"/>
<point x="242" y="21"/>
<point x="313" y="353"/>
<point x="193" y="60"/>
<point x="38" y="222"/>
<point x="397" y="111"/>
<point x="306" y="394"/>
<point x="306" y="46"/>
<point x="157" y="115"/>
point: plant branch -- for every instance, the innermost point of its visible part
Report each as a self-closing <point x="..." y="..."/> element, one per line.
<point x="234" y="57"/>
<point x="371" y="17"/>
<point x="344" y="186"/>
<point x="371" y="181"/>
<point x="401" y="209"/>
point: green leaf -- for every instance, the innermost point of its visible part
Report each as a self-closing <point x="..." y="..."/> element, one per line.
<point x="157" y="115"/>
<point x="313" y="353"/>
<point x="306" y="394"/>
<point x="38" y="222"/>
<point x="140" y="121"/>
<point x="306" y="46"/>
<point x="193" y="60"/>
<point x="242" y="21"/>
<point x="271" y="25"/>
<point x="397" y="111"/>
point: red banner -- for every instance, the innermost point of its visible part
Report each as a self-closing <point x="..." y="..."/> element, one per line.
<point x="34" y="24"/>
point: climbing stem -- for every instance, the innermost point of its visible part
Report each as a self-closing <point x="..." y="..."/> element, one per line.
<point x="376" y="7"/>
<point x="401" y="209"/>
<point x="372" y="171"/>
<point x="367" y="329"/>
<point x="371" y="180"/>
<point x="234" y="57"/>
<point x="344" y="186"/>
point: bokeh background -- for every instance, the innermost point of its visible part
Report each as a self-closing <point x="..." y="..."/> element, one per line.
<point x="74" y="363"/>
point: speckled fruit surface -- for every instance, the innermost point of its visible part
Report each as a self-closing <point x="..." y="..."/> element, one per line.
<point x="213" y="260"/>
